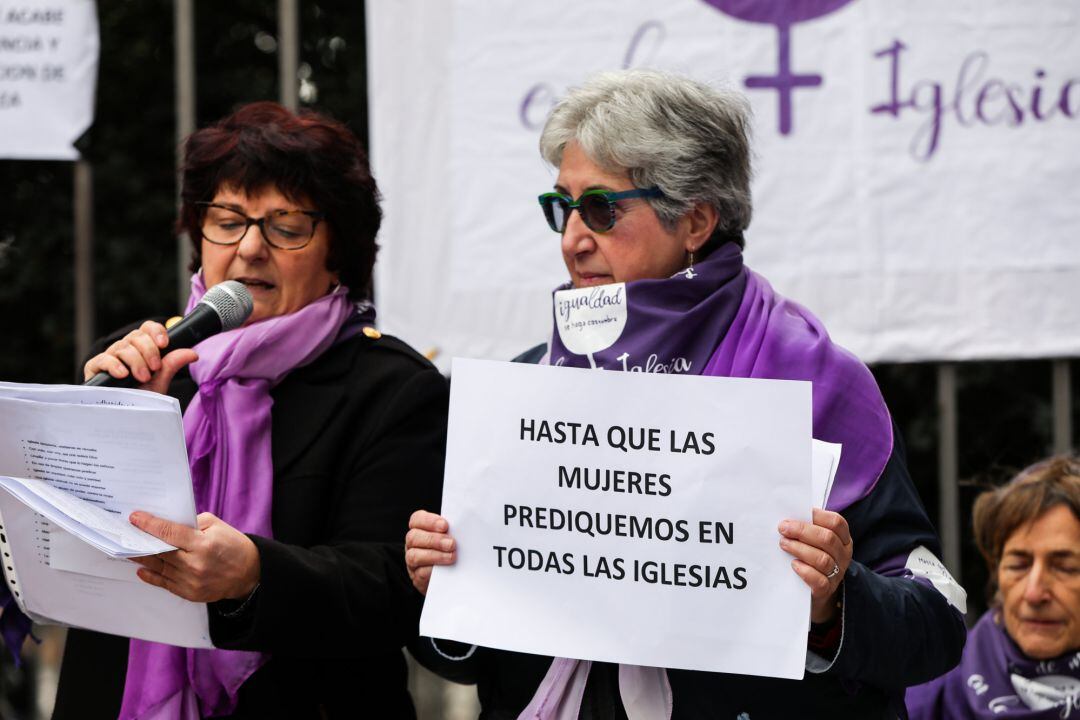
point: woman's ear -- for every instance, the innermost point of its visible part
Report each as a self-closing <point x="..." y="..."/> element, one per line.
<point x="699" y="223"/>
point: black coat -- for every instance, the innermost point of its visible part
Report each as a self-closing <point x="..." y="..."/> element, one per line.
<point x="358" y="439"/>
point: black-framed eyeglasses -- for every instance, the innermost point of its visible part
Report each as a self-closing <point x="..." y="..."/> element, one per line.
<point x="282" y="229"/>
<point x="596" y="207"/>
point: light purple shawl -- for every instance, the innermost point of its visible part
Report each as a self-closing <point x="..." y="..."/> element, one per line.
<point x="227" y="430"/>
<point x="723" y="319"/>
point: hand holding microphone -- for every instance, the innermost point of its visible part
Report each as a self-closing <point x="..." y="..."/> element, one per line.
<point x="137" y="360"/>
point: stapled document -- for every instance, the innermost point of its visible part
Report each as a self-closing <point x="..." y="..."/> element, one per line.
<point x="74" y="463"/>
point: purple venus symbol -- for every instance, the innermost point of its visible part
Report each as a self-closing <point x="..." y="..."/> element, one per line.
<point x="783" y="14"/>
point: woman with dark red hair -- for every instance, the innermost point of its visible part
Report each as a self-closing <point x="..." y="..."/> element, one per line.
<point x="311" y="437"/>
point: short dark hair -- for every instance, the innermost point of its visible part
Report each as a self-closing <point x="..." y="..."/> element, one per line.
<point x="306" y="157"/>
<point x="1000" y="512"/>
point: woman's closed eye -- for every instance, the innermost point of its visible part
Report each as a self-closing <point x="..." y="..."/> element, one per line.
<point x="288" y="232"/>
<point x="1070" y="567"/>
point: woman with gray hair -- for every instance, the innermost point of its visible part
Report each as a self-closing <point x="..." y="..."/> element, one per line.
<point x="657" y="167"/>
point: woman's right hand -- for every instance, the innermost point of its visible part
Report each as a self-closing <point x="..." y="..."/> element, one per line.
<point x="427" y="544"/>
<point x="139" y="354"/>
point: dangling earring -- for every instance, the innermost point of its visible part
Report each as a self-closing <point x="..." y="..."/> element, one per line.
<point x="689" y="272"/>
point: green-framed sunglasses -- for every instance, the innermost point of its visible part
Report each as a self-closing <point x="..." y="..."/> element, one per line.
<point x="597" y="207"/>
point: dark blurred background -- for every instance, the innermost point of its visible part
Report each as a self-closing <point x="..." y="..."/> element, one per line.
<point x="131" y="149"/>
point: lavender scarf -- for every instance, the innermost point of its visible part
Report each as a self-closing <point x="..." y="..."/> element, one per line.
<point x="995" y="679"/>
<point x="15" y="626"/>
<point x="719" y="318"/>
<point x="227" y="430"/>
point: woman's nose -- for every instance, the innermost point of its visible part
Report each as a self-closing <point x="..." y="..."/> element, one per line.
<point x="577" y="238"/>
<point x="1035" y="587"/>
<point x="253" y="246"/>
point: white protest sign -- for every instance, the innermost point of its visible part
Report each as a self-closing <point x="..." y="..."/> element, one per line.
<point x="625" y="517"/>
<point x="48" y="74"/>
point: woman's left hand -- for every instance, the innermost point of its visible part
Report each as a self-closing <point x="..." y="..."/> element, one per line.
<point x="822" y="552"/>
<point x="213" y="561"/>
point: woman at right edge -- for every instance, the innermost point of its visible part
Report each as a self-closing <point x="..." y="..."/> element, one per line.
<point x="657" y="168"/>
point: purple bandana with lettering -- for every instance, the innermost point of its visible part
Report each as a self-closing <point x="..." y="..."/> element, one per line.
<point x="227" y="429"/>
<point x="995" y="679"/>
<point x="669" y="325"/>
<point x="715" y="318"/>
<point x="720" y="318"/>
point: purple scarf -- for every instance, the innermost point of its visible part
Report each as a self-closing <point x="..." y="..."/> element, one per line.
<point x="995" y="679"/>
<point x="227" y="430"/>
<point x="671" y="325"/>
<point x="15" y="626"/>
<point x="718" y="318"/>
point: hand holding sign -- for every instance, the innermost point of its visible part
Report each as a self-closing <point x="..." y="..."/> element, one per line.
<point x="822" y="551"/>
<point x="427" y="544"/>
<point x="581" y="519"/>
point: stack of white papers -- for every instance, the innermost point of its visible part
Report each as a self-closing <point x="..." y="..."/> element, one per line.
<point x="107" y="532"/>
<point x="75" y="462"/>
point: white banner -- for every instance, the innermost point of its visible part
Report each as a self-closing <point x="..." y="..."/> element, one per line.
<point x="916" y="161"/>
<point x="625" y="517"/>
<point x="48" y="74"/>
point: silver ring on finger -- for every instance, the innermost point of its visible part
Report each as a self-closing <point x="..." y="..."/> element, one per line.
<point x="834" y="572"/>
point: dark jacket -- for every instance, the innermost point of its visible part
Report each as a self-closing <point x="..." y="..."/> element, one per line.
<point x="358" y="439"/>
<point x="896" y="632"/>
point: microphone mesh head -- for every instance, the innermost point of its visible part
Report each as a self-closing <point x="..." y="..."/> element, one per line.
<point x="231" y="301"/>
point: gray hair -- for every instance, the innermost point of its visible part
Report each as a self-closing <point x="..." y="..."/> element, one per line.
<point x="664" y="130"/>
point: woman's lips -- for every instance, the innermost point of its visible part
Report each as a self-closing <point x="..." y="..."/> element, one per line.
<point x="593" y="279"/>
<point x="255" y="284"/>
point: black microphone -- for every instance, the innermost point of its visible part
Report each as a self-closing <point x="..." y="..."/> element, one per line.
<point x="224" y="307"/>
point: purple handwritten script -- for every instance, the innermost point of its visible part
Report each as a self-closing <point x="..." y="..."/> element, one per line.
<point x="539" y="99"/>
<point x="783" y="14"/>
<point x="978" y="98"/>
